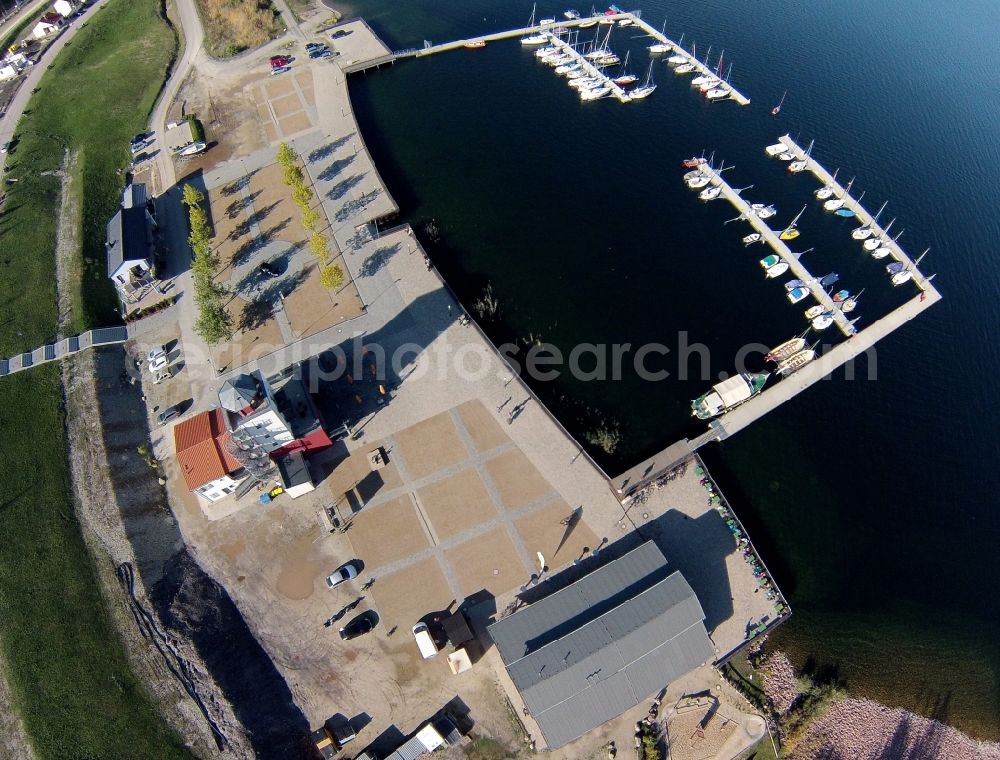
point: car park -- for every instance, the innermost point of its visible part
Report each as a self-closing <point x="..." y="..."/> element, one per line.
<point x="343" y="573"/>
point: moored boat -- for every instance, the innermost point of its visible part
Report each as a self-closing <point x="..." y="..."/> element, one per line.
<point x="800" y="166"/>
<point x="697" y="183"/>
<point x="753" y="237"/>
<point x="814" y="311"/>
<point x="777" y="270"/>
<point x="774" y="150"/>
<point x="728" y="394"/>
<point x="684" y="68"/>
<point x="770" y="260"/>
<point x="846" y="213"/>
<point x="797" y="294"/>
<point x="796" y="361"/>
<point x="474" y="44"/>
<point x="851" y="303"/>
<point x="786" y="349"/>
<point x="710" y="193"/>
<point x="823" y="321"/>
<point x="572" y="15"/>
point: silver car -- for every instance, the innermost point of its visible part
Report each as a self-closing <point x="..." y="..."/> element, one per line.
<point x="343" y="573"/>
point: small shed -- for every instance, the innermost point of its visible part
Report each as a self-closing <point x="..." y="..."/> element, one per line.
<point x="178" y="136"/>
<point x="456" y="628"/>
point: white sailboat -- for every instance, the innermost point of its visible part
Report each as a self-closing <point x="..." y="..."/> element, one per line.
<point x="827" y="190"/>
<point x="797" y="166"/>
<point x="647" y="87"/>
<point x="874" y="243"/>
<point x="710" y="193"/>
<point x="864" y="232"/>
<point x="536" y="38"/>
<point x="660" y="47"/>
<point x="906" y="274"/>
<point x="775" y="150"/>
<point x="835" y="203"/>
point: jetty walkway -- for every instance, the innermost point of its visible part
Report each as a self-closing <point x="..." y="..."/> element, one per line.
<point x="779" y="247"/>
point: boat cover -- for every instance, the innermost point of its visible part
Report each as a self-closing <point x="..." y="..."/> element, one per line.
<point x="733" y="391"/>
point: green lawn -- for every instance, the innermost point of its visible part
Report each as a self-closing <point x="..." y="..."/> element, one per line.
<point x="70" y="679"/>
<point x="96" y="95"/>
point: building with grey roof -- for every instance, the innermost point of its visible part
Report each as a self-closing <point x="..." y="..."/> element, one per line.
<point x="590" y="651"/>
<point x="129" y="245"/>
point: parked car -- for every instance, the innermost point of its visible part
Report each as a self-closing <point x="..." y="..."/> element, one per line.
<point x="343" y="573"/>
<point x="425" y="642"/>
<point x="279" y="60"/>
<point x="280" y="70"/>
<point x="5" y="147"/>
<point x="157" y="364"/>
<point x="359" y="626"/>
<point x="156" y="352"/>
<point x="322" y="54"/>
<point x="161" y="376"/>
<point x="169" y="413"/>
<point x="315" y="45"/>
<point x="340" y="33"/>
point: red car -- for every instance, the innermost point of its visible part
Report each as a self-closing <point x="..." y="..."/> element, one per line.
<point x="277" y="61"/>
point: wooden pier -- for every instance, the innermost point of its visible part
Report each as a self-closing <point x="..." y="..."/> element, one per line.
<point x="779" y="247"/>
<point x="861" y="213"/>
<point x="700" y="67"/>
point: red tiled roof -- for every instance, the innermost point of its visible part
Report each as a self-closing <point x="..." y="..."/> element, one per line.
<point x="201" y="450"/>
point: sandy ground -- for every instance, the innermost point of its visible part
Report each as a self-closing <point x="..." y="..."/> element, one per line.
<point x="67" y="243"/>
<point x="13" y="737"/>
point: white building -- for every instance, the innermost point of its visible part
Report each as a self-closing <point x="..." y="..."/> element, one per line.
<point x="64" y="8"/>
<point x="12" y="65"/>
<point x="47" y="24"/>
<point x="129" y="245"/>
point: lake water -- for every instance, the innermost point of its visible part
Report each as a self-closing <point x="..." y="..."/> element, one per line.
<point x="874" y="502"/>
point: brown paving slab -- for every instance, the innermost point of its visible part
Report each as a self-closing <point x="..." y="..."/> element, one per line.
<point x="278" y="87"/>
<point x="387" y="532"/>
<point x="353" y="473"/>
<point x="304" y="78"/>
<point x="457" y="504"/>
<point x="246" y="345"/>
<point x="282" y="219"/>
<point x="517" y="480"/>
<point x="270" y="131"/>
<point x="298" y="122"/>
<point x="286" y="105"/>
<point x="482" y="425"/>
<point x="487" y="562"/>
<point x="308" y="95"/>
<point x="405" y="596"/>
<point x="542" y="531"/>
<point x="311" y="308"/>
<point x="430" y="445"/>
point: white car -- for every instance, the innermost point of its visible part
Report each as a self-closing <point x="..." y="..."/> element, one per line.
<point x="156" y="352"/>
<point x="5" y="147"/>
<point x="160" y="362"/>
<point x="341" y="574"/>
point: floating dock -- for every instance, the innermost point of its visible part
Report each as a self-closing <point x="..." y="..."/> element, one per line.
<point x="700" y="67"/>
<point x="861" y="213"/>
<point x="779" y="247"/>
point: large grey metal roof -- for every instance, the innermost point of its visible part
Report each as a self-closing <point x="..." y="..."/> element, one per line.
<point x="607" y="663"/>
<point x="128" y="238"/>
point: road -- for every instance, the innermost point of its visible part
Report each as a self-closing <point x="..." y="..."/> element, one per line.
<point x="8" y="126"/>
<point x="28" y="10"/>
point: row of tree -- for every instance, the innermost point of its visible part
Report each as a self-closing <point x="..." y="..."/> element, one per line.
<point x="331" y="276"/>
<point x="214" y="323"/>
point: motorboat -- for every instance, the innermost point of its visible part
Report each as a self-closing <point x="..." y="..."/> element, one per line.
<point x="850" y="303"/>
<point x="753" y="237"/>
<point x="794" y="284"/>
<point x="625" y="22"/>
<point x="840" y="295"/>
<point x="677" y="59"/>
<point x="571" y="15"/>
<point x="475" y="44"/>
<point x="770" y="260"/>
<point x="798" y="294"/>
<point x="762" y="211"/>
<point x="546" y="22"/>
<point x="697" y="183"/>
<point x="846" y="213"/>
<point x="692" y="163"/>
<point x="592" y="21"/>
<point x="814" y="311"/>
<point x="786" y="156"/>
<point x="823" y="321"/>
<point x="777" y="270"/>
<point x="796" y="361"/>
<point x="786" y="349"/>
<point x="710" y="193"/>
<point x="728" y="394"/>
<point x="568" y="68"/>
<point x="774" y="150"/>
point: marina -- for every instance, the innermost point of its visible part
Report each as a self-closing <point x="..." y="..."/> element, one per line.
<point x="773" y="239"/>
<point x="866" y="219"/>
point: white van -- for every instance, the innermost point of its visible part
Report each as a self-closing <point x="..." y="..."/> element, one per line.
<point x="425" y="642"/>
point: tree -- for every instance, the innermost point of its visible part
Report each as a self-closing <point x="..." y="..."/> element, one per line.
<point x="302" y="195"/>
<point x="331" y="277"/>
<point x="214" y="324"/>
<point x="287" y="155"/>
<point x="193" y="197"/>
<point x="309" y="219"/>
<point x="293" y="175"/>
<point x="317" y="245"/>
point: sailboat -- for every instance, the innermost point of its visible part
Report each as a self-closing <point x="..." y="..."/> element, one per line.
<point x="790" y="232"/>
<point x="827" y="190"/>
<point x="873" y="243"/>
<point x="796" y="361"/>
<point x="797" y="166"/>
<point x="720" y="91"/>
<point x="906" y="274"/>
<point x="660" y="47"/>
<point x="814" y="311"/>
<point x="697" y="183"/>
<point x="647" y="87"/>
<point x="702" y="79"/>
<point x="835" y="203"/>
<point x="823" y="321"/>
<point x="851" y="302"/>
<point x="625" y="78"/>
<point x="762" y="211"/>
<point x="539" y="38"/>
<point x="865" y="231"/>
<point x="777" y="109"/>
<point x="776" y="149"/>
<point x="884" y="250"/>
<point x="710" y="193"/>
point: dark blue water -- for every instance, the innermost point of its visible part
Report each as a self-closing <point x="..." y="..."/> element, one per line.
<point x="873" y="501"/>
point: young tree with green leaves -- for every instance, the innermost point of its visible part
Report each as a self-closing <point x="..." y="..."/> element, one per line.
<point x="287" y="155"/>
<point x="317" y="246"/>
<point x="331" y="277"/>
